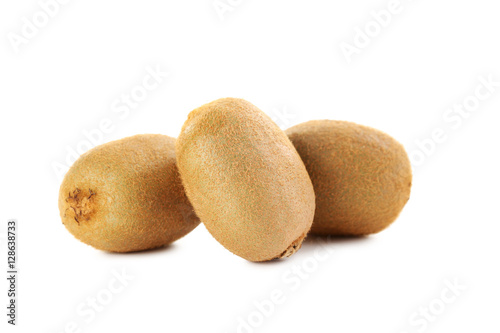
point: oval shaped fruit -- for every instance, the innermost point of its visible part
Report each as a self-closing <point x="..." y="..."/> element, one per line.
<point x="245" y="180"/>
<point x="127" y="195"/>
<point x="362" y="177"/>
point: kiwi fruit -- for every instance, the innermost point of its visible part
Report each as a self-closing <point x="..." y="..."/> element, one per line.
<point x="245" y="180"/>
<point x="361" y="176"/>
<point x="126" y="196"/>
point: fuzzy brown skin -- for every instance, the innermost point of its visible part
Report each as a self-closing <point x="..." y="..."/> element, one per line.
<point x="362" y="177"/>
<point x="245" y="180"/>
<point x="127" y="195"/>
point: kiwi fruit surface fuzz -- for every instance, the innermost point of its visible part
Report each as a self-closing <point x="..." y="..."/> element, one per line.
<point x="127" y="195"/>
<point x="245" y="180"/>
<point x="362" y="177"/>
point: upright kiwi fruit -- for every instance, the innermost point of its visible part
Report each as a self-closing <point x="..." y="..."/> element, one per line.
<point x="127" y="195"/>
<point x="245" y="180"/>
<point x="361" y="176"/>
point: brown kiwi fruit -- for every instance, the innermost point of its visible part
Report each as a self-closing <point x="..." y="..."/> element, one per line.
<point x="245" y="180"/>
<point x="127" y="195"/>
<point x="362" y="177"/>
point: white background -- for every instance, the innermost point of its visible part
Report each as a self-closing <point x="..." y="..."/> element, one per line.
<point x="285" y="57"/>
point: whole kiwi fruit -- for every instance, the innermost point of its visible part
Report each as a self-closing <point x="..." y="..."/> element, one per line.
<point x="245" y="180"/>
<point x="127" y="195"/>
<point x="361" y="176"/>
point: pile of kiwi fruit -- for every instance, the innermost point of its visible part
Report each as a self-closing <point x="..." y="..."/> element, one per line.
<point x="258" y="190"/>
